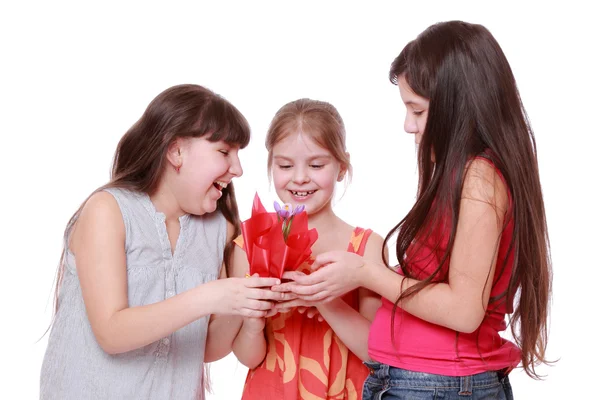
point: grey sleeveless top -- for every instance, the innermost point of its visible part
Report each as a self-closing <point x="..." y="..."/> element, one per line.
<point x="76" y="367"/>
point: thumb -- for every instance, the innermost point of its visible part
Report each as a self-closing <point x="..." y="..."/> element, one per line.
<point x="256" y="282"/>
<point x="323" y="259"/>
<point x="292" y="275"/>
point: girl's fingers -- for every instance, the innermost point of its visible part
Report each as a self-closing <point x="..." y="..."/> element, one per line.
<point x="266" y="294"/>
<point x="257" y="304"/>
<point x="324" y="259"/>
<point x="247" y="312"/>
<point x="321" y="296"/>
<point x="302" y="290"/>
<point x="293" y="275"/>
<point x="284" y="287"/>
<point x="255" y="282"/>
<point x="302" y="279"/>
<point x="291" y="304"/>
<point x="272" y="312"/>
<point x="286" y="296"/>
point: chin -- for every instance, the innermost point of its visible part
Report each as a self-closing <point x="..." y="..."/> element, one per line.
<point x="211" y="208"/>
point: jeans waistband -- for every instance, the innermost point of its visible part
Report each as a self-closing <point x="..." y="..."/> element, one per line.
<point x="404" y="377"/>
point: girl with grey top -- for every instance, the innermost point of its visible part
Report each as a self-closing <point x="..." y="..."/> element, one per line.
<point x="139" y="275"/>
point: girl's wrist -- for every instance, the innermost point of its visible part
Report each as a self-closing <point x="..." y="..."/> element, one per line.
<point x="326" y="308"/>
<point x="369" y="275"/>
<point x="363" y="274"/>
<point x="209" y="297"/>
<point x="251" y="332"/>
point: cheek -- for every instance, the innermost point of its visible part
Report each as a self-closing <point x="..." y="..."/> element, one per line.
<point x="327" y="178"/>
<point x="423" y="123"/>
<point x="280" y="178"/>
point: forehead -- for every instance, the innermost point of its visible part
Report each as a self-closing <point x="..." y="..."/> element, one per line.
<point x="203" y="146"/>
<point x="407" y="94"/>
<point x="299" y="145"/>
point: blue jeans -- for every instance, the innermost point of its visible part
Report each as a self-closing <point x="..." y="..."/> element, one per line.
<point x="387" y="383"/>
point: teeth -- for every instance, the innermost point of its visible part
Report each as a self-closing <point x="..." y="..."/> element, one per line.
<point x="222" y="184"/>
<point x="303" y="194"/>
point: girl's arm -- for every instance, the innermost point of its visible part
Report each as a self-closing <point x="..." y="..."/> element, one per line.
<point x="350" y="326"/>
<point x="250" y="345"/>
<point x="459" y="304"/>
<point x="222" y="329"/>
<point x="98" y="242"/>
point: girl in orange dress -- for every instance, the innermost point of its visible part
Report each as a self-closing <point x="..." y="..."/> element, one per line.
<point x="291" y="355"/>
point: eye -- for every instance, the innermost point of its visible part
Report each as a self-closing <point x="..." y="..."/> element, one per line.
<point x="417" y="113"/>
<point x="224" y="152"/>
<point x="284" y="166"/>
<point x="316" y="166"/>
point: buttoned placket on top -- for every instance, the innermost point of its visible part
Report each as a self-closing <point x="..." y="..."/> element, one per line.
<point x="171" y="262"/>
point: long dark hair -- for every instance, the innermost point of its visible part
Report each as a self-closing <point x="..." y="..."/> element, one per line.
<point x="140" y="159"/>
<point x="475" y="108"/>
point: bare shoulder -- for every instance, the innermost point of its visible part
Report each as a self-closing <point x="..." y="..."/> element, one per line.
<point x="483" y="183"/>
<point x="100" y="214"/>
<point x="101" y="205"/>
<point x="373" y="246"/>
<point x="373" y="249"/>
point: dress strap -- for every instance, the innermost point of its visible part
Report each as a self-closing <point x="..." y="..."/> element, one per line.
<point x="358" y="240"/>
<point x="239" y="241"/>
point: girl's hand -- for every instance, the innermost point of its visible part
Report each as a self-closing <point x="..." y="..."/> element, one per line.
<point x="335" y="274"/>
<point x="248" y="297"/>
<point x="256" y="325"/>
<point x="303" y="306"/>
<point x="311" y="312"/>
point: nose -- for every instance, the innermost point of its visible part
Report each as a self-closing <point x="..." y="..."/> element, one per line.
<point x="410" y="125"/>
<point x="300" y="176"/>
<point x="235" y="168"/>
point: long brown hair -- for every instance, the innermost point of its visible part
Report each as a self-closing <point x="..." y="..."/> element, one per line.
<point x="475" y="108"/>
<point x="140" y="158"/>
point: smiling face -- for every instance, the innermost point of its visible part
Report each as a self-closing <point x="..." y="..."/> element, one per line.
<point x="304" y="173"/>
<point x="205" y="169"/>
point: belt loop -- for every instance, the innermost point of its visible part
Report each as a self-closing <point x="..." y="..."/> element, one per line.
<point x="466" y="388"/>
<point x="385" y="370"/>
<point x="503" y="373"/>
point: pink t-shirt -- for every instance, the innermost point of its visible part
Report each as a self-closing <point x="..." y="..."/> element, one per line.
<point x="425" y="347"/>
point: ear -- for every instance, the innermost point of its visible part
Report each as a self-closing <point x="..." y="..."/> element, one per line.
<point x="343" y="169"/>
<point x="174" y="153"/>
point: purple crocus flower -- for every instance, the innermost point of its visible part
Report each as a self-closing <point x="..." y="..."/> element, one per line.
<point x="285" y="214"/>
<point x="282" y="212"/>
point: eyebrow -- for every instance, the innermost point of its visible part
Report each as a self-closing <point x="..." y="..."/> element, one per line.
<point x="315" y="157"/>
<point x="413" y="103"/>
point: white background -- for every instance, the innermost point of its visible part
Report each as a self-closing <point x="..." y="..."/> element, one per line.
<point x="75" y="76"/>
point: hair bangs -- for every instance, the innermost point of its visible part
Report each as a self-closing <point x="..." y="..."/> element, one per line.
<point x="221" y="121"/>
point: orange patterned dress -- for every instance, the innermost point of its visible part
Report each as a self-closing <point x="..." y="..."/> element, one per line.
<point x="305" y="358"/>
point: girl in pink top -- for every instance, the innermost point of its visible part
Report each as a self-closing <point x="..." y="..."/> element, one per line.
<point x="474" y="247"/>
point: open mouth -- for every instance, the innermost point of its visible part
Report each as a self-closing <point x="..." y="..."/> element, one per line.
<point x="220" y="185"/>
<point x="302" y="193"/>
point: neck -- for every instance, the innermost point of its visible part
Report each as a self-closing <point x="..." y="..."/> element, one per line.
<point x="164" y="202"/>
<point x="323" y="220"/>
